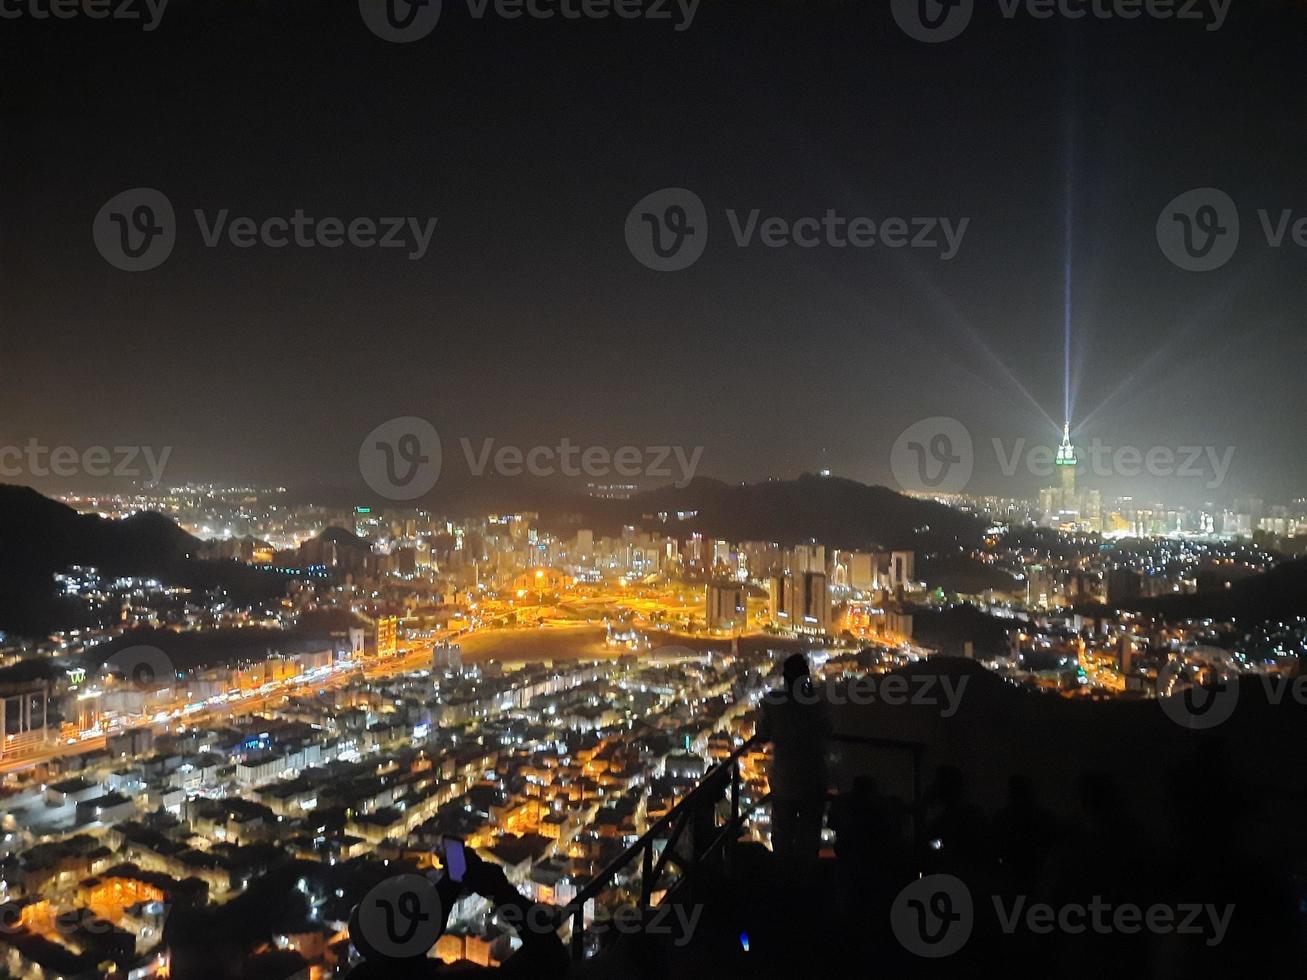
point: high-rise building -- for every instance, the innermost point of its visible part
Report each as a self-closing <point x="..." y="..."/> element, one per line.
<point x="727" y="607"/>
<point x="1066" y="463"/>
<point x="800" y="603"/>
<point x="385" y="636"/>
<point x="763" y="558"/>
<point x="694" y="550"/>
<point x="780" y="599"/>
<point x="1065" y="505"/>
<point x="902" y="569"/>
<point x="813" y="602"/>
<point x="809" y="557"/>
<point x="862" y="571"/>
<point x="446" y="656"/>
<point x="1039" y="586"/>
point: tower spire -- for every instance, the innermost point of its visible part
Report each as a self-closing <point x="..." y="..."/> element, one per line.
<point x="1066" y="453"/>
<point x="1066" y="463"/>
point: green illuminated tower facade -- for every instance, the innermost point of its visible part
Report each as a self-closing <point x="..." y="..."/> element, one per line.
<point x="1066" y="463"/>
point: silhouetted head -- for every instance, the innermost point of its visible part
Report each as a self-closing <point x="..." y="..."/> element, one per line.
<point x="1097" y="793"/>
<point x="795" y="670"/>
<point x="950" y="785"/>
<point x="865" y="788"/>
<point x="1020" y="788"/>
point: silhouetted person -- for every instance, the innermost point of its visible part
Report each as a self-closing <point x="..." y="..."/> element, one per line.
<point x="869" y="827"/>
<point x="1024" y="832"/>
<point x="954" y="829"/>
<point x="796" y="720"/>
<point x="871" y="848"/>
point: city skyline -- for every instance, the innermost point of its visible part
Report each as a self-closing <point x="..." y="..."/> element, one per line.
<point x="652" y="488"/>
<point x="271" y="364"/>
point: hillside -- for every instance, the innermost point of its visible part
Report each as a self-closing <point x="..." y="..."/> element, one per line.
<point x="40" y="536"/>
<point x="837" y="512"/>
<point x="1279" y="594"/>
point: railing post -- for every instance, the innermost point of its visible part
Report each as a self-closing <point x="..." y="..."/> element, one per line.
<point x="735" y="790"/>
<point x="578" y="932"/>
<point x="646" y="876"/>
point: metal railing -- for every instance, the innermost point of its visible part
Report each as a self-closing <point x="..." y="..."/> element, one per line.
<point x="671" y="828"/>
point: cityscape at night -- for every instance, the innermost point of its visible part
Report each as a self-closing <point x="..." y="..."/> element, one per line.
<point x="652" y="488"/>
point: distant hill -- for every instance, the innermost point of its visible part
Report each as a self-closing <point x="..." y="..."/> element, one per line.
<point x="950" y="630"/>
<point x="1280" y="593"/>
<point x="837" y="512"/>
<point x="40" y="536"/>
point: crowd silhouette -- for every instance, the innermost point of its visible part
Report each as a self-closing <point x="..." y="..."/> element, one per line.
<point x="1094" y="889"/>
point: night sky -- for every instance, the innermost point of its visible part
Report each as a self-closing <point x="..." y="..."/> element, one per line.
<point x="528" y="319"/>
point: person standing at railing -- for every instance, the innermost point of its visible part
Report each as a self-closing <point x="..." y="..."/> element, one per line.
<point x="796" y="720"/>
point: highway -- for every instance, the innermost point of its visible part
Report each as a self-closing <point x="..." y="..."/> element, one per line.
<point x="413" y="656"/>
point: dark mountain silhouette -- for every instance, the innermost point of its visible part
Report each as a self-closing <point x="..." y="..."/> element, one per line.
<point x="950" y="630"/>
<point x="39" y="537"/>
<point x="1280" y="593"/>
<point x="837" y="512"/>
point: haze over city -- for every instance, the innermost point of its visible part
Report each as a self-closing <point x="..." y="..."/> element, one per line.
<point x="652" y="488"/>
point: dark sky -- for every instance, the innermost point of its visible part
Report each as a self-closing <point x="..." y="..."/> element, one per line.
<point x="529" y="319"/>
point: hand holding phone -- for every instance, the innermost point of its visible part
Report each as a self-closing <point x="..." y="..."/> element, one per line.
<point x="455" y="858"/>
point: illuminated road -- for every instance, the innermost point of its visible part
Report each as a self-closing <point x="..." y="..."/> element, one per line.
<point x="415" y="656"/>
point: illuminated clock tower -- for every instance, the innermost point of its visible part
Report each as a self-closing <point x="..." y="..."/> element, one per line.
<point x="1066" y="463"/>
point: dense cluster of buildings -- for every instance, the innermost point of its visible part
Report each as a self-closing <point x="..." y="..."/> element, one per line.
<point x="550" y="770"/>
<point x="329" y="736"/>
